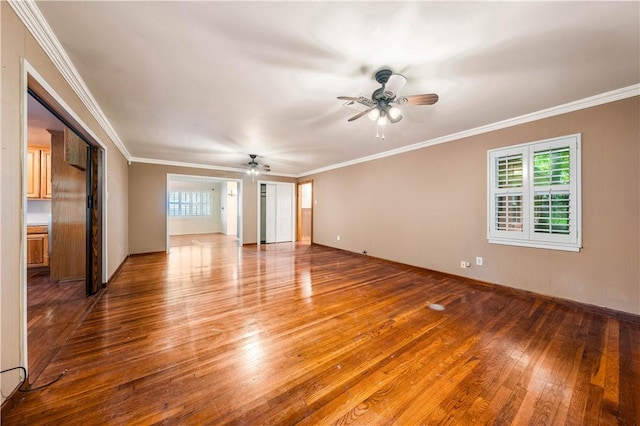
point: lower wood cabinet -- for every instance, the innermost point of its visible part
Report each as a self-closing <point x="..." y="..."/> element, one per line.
<point x="37" y="246"/>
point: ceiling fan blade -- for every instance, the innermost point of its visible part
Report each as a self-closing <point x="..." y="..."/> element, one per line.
<point x="355" y="117"/>
<point x="347" y="98"/>
<point x="428" y="99"/>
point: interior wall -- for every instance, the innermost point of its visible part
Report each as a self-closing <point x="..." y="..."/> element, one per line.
<point x="147" y="203"/>
<point x="17" y="43"/>
<point x="429" y="208"/>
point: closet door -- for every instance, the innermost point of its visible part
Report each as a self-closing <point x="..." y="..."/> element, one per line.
<point x="271" y="212"/>
<point x="284" y="212"/>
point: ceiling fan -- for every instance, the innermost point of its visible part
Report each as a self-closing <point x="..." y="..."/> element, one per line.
<point x="384" y="102"/>
<point x="255" y="167"/>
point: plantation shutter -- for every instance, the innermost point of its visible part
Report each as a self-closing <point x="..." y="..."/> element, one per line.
<point x="553" y="190"/>
<point x="534" y="194"/>
<point x="507" y="199"/>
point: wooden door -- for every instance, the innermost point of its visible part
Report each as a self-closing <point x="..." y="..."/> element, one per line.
<point x="94" y="221"/>
<point x="68" y="215"/>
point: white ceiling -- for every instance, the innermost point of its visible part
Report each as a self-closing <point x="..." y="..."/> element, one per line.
<point x="210" y="82"/>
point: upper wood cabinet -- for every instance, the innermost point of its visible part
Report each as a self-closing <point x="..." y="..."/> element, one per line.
<point x="38" y="172"/>
<point x="75" y="150"/>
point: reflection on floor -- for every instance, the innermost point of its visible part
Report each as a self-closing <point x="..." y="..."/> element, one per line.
<point x="53" y="310"/>
<point x="217" y="240"/>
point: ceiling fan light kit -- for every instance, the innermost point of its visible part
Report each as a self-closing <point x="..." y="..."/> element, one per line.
<point x="382" y="107"/>
<point x="255" y="167"/>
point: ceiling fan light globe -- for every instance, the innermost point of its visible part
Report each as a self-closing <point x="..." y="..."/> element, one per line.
<point x="394" y="112"/>
<point x="374" y="114"/>
<point x="382" y="121"/>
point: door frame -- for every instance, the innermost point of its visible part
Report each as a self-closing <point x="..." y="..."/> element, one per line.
<point x="32" y="81"/>
<point x="299" y="210"/>
<point x="213" y="179"/>
<point x="259" y="205"/>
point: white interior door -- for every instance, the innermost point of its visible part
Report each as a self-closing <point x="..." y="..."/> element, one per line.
<point x="284" y="212"/>
<point x="271" y="212"/>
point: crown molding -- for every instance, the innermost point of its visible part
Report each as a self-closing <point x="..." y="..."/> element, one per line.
<point x="37" y="25"/>
<point x="603" y="98"/>
<point x="203" y="166"/>
<point x="35" y="22"/>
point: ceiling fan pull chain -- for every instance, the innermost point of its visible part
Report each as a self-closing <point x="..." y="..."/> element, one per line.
<point x="377" y="132"/>
<point x="382" y="132"/>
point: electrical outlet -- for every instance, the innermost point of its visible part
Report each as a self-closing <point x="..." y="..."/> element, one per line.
<point x="463" y="264"/>
<point x="478" y="261"/>
<point x="338" y="237"/>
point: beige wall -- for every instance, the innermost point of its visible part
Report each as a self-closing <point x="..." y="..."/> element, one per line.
<point x="147" y="203"/>
<point x="429" y="208"/>
<point x="18" y="43"/>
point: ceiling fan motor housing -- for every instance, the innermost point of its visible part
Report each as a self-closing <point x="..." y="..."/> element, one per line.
<point x="382" y="76"/>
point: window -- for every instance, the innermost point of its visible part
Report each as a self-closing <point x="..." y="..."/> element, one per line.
<point x="189" y="203"/>
<point x="534" y="194"/>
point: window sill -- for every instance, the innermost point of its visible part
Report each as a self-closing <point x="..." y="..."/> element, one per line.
<point x="533" y="244"/>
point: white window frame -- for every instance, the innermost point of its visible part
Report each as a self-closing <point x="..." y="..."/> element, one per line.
<point x="527" y="237"/>
<point x="202" y="204"/>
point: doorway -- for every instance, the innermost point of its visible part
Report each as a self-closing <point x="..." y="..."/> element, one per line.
<point x="62" y="225"/>
<point x="203" y="206"/>
<point x="276" y="209"/>
<point x="304" y="215"/>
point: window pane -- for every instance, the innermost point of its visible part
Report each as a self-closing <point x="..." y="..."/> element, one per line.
<point x="508" y="213"/>
<point x="552" y="167"/>
<point x="551" y="213"/>
<point x="509" y="171"/>
<point x="192" y="203"/>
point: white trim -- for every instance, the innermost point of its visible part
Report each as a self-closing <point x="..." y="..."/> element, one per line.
<point x="534" y="245"/>
<point x="29" y="70"/>
<point x="603" y="98"/>
<point x="38" y="26"/>
<point x="204" y="166"/>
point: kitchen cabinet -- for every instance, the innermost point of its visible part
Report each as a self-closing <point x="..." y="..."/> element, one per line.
<point x="37" y="246"/>
<point x="38" y="172"/>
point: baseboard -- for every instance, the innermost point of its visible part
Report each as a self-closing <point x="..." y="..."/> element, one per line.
<point x="601" y="310"/>
<point x="116" y="272"/>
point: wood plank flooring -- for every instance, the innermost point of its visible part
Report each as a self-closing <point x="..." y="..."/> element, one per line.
<point x="53" y="311"/>
<point x="303" y="334"/>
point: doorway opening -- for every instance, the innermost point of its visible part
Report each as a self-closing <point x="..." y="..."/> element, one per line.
<point x="203" y="209"/>
<point x="62" y="225"/>
<point x="304" y="232"/>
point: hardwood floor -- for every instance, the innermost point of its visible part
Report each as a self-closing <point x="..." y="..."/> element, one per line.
<point x="53" y="311"/>
<point x="299" y="334"/>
